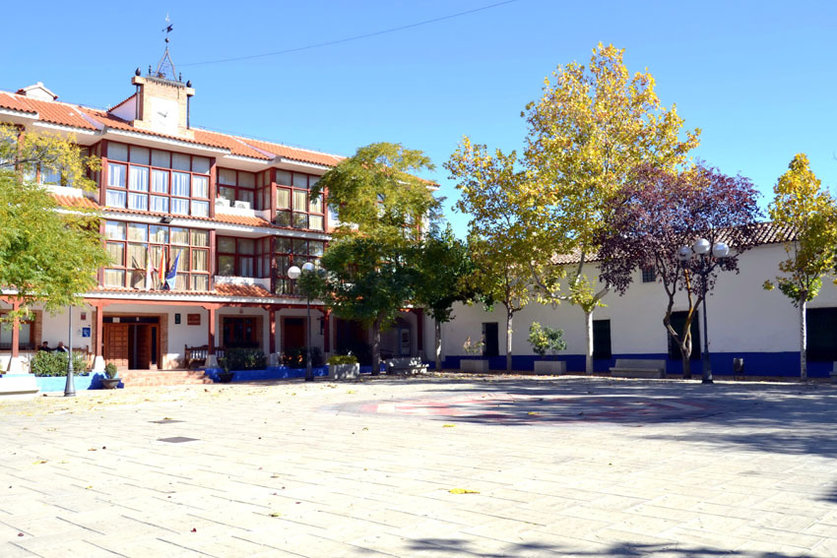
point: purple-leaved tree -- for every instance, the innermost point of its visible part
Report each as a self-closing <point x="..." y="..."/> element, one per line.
<point x="660" y="212"/>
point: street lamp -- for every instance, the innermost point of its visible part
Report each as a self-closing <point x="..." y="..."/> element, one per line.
<point x="701" y="248"/>
<point x="293" y="273"/>
<point x="69" y="386"/>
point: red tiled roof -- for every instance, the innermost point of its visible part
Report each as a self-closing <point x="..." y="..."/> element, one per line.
<point x="765" y="233"/>
<point x="86" y="118"/>
<point x="221" y="289"/>
<point x="14" y="102"/>
<point x="230" y="289"/>
<point x="236" y="146"/>
<point x="53" y="112"/>
<point x="112" y="121"/>
<point x="242" y="220"/>
<point x="75" y="201"/>
<point x="295" y="153"/>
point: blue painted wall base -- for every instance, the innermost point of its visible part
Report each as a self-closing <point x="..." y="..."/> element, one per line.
<point x="779" y="364"/>
<point x="57" y="383"/>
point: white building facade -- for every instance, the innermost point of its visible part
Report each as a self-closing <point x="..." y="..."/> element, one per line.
<point x="744" y="321"/>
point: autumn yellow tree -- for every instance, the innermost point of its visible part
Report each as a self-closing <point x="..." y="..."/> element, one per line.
<point x="590" y="128"/>
<point x="48" y="254"/>
<point x="807" y="215"/>
<point x="489" y="185"/>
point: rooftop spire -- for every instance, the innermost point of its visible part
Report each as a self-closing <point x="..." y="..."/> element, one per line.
<point x="165" y="67"/>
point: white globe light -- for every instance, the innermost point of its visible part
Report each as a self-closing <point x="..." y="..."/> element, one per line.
<point x="294" y="272"/>
<point x="720" y="250"/>
<point x="701" y="246"/>
<point x="684" y="253"/>
<point x="308" y="267"/>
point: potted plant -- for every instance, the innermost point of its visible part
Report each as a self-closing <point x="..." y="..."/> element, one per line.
<point x="474" y="365"/>
<point x="544" y="340"/>
<point x="112" y="380"/>
<point x="343" y="367"/>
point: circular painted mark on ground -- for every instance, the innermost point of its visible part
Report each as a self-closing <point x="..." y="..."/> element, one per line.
<point x="508" y="408"/>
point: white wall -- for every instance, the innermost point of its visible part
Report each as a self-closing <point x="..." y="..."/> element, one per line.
<point x="742" y="315"/>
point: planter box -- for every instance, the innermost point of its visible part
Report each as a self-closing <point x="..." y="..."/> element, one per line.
<point x="474" y="365"/>
<point x="550" y="367"/>
<point x="19" y="386"/>
<point x="343" y="371"/>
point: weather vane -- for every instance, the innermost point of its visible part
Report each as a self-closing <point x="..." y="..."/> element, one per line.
<point x="165" y="68"/>
<point x="168" y="28"/>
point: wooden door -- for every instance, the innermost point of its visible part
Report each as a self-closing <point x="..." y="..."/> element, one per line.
<point x="293" y="333"/>
<point x="142" y="347"/>
<point x="116" y="344"/>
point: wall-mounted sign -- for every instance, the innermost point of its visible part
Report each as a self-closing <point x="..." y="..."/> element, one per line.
<point x="177" y="319"/>
<point x="85" y="332"/>
<point x="193" y="319"/>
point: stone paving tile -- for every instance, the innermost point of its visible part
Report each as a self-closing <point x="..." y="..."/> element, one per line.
<point x="755" y="475"/>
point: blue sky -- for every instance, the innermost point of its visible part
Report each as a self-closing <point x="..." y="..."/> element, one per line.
<point x="757" y="77"/>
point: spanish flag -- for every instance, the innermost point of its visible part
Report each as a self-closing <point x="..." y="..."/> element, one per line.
<point x="162" y="269"/>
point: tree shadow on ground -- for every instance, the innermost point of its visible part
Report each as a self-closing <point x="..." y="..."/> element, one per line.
<point x="461" y="547"/>
<point x="790" y="418"/>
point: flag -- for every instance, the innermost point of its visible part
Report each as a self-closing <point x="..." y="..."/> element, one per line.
<point x="171" y="276"/>
<point x="162" y="269"/>
<point x="149" y="271"/>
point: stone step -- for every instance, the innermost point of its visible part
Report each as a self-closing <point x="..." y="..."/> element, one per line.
<point x="139" y="378"/>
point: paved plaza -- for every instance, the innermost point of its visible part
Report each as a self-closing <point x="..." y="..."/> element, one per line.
<point x="432" y="466"/>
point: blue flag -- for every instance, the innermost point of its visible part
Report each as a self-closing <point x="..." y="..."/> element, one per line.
<point x="172" y="274"/>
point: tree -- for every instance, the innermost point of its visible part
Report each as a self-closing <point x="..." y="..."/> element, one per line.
<point x="47" y="255"/>
<point x="443" y="265"/>
<point x="590" y="128"/>
<point x="658" y="213"/>
<point x="808" y="216"/>
<point x="383" y="208"/>
<point x="489" y="186"/>
<point x="378" y="189"/>
<point x="367" y="278"/>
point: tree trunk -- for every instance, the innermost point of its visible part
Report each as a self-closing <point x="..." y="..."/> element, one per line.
<point x="588" y="338"/>
<point x="509" y="332"/>
<point x="438" y="350"/>
<point x="803" y="341"/>
<point x="376" y="347"/>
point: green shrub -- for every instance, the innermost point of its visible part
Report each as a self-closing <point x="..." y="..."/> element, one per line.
<point x="110" y="370"/>
<point x="546" y="339"/>
<point x="54" y="363"/>
<point x="243" y="359"/>
<point x="342" y="359"/>
<point x="296" y="358"/>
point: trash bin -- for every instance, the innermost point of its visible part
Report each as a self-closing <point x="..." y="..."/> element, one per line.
<point x="738" y="367"/>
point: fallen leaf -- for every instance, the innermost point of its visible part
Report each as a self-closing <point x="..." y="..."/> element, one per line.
<point x="462" y="491"/>
<point x="39" y="462"/>
<point x="194" y="530"/>
<point x="448" y="425"/>
<point x="275" y="514"/>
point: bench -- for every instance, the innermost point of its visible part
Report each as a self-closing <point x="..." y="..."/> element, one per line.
<point x="638" y="368"/>
<point x="405" y="365"/>
<point x="18" y="386"/>
<point x="194" y="357"/>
